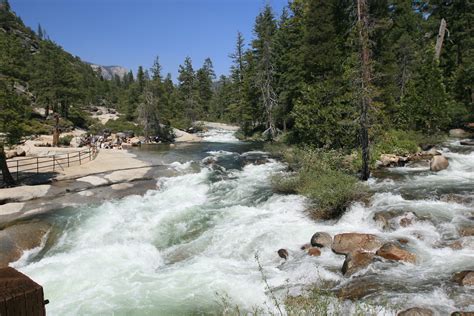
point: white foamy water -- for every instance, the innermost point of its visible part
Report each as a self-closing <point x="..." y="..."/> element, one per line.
<point x="219" y="136"/>
<point x="170" y="251"/>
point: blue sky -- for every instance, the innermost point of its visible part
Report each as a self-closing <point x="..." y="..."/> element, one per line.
<point x="130" y="33"/>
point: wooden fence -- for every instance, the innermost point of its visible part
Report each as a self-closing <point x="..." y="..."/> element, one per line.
<point x="25" y="167"/>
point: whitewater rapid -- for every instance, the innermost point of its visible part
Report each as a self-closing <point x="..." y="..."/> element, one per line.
<point x="180" y="247"/>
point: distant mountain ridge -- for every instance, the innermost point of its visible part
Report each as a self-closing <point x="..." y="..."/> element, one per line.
<point x="108" y="72"/>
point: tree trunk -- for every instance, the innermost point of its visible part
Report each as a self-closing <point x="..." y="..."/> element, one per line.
<point x="56" y="131"/>
<point x="366" y="98"/>
<point x="7" y="177"/>
<point x="440" y="39"/>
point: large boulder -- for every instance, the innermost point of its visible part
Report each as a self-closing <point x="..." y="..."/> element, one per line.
<point x="359" y="288"/>
<point x="346" y="243"/>
<point x="438" y="163"/>
<point x="464" y="278"/>
<point x="20" y="152"/>
<point x="390" y="160"/>
<point x="10" y="154"/>
<point x="135" y="141"/>
<point x="321" y="239"/>
<point x="283" y="253"/>
<point x="392" y="251"/>
<point x="356" y="261"/>
<point x="75" y="142"/>
<point x="459" y="133"/>
<point x="416" y="311"/>
<point x="14" y="240"/>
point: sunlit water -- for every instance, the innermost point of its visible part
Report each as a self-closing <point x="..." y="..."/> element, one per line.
<point x="177" y="249"/>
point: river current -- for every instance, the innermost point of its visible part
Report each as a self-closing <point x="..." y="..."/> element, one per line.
<point x="179" y="248"/>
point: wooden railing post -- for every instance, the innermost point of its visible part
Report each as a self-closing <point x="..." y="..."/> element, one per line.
<point x="53" y="163"/>
<point x="79" y="158"/>
<point x="37" y="164"/>
<point x="68" y="159"/>
<point x="17" y="169"/>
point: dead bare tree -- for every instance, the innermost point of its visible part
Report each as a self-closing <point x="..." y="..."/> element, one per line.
<point x="366" y="100"/>
<point x="440" y="39"/>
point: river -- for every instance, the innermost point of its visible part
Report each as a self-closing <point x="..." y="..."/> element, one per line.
<point x="179" y="248"/>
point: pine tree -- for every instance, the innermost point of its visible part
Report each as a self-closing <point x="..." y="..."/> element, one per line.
<point x="156" y="70"/>
<point x="204" y="80"/>
<point x="237" y="75"/>
<point x="187" y="89"/>
<point x="148" y="115"/>
<point x="263" y="48"/>
<point x="140" y="79"/>
<point x="40" y="32"/>
<point x="5" y="5"/>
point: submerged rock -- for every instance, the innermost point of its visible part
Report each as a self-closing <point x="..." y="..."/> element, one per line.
<point x="283" y="253"/>
<point x="439" y="163"/>
<point x="466" y="231"/>
<point x="346" y="243"/>
<point x="359" y="288"/>
<point x="14" y="240"/>
<point x="314" y="252"/>
<point x="321" y="239"/>
<point x="305" y="246"/>
<point x="407" y="219"/>
<point x="386" y="219"/>
<point x="356" y="261"/>
<point x="464" y="278"/>
<point x="467" y="143"/>
<point x="416" y="311"/>
<point x="462" y="314"/>
<point x="392" y="251"/>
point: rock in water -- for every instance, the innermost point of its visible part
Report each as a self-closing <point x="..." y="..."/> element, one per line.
<point x="392" y="251"/>
<point x="356" y="261"/>
<point x="321" y="239"/>
<point x="314" y="252"/>
<point x="466" y="231"/>
<point x="305" y="246"/>
<point x="283" y="253"/>
<point x="346" y="243"/>
<point x="416" y="311"/>
<point x="464" y="278"/>
<point x="359" y="288"/>
<point x="18" y="238"/>
<point x="438" y="163"/>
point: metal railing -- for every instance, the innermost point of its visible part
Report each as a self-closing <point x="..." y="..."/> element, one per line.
<point x="26" y="167"/>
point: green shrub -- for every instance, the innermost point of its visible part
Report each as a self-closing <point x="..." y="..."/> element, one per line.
<point x="327" y="178"/>
<point x="65" y="140"/>
<point x="285" y="184"/>
<point x="122" y="125"/>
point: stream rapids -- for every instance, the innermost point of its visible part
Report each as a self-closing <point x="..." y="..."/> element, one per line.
<point x="180" y="247"/>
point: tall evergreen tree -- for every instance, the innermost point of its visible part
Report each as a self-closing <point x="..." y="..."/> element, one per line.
<point x="156" y="70"/>
<point x="141" y="79"/>
<point x="187" y="89"/>
<point x="205" y="77"/>
<point x="263" y="48"/>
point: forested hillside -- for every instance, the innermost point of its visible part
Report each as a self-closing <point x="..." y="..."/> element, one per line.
<point x="306" y="62"/>
<point x="299" y="74"/>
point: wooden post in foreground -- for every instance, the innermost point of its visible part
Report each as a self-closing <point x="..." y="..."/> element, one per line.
<point x="19" y="295"/>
